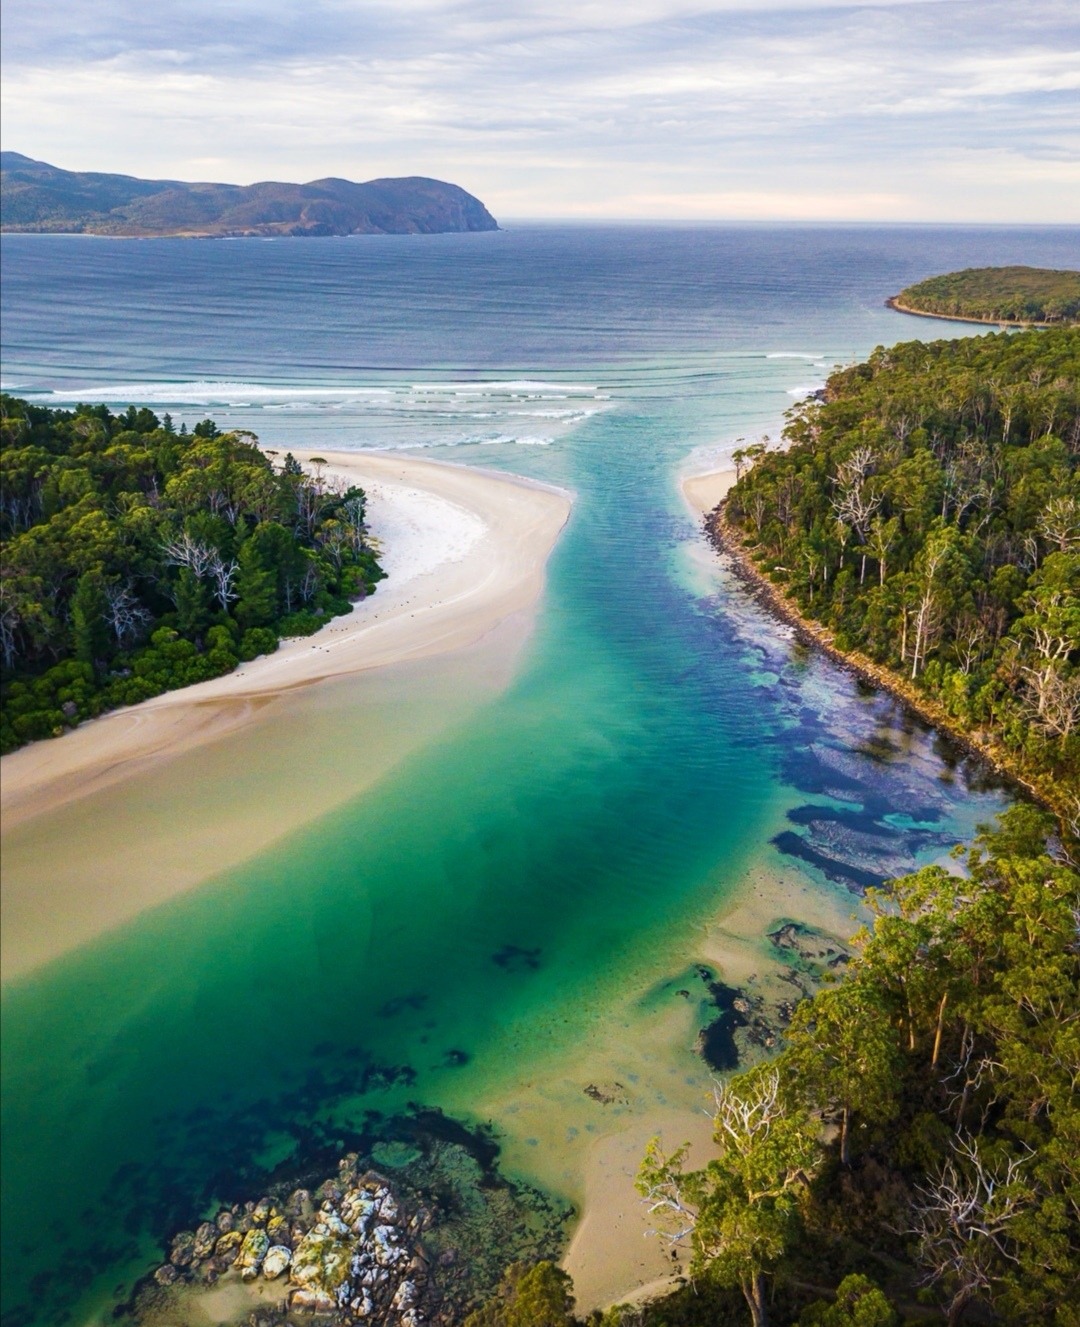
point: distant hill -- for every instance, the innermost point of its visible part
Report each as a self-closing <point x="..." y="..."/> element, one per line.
<point x="1004" y="295"/>
<point x="35" y="196"/>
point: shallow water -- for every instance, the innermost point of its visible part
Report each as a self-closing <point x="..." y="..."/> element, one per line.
<point x="506" y="916"/>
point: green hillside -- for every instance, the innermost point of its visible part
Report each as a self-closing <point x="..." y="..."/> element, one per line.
<point x="997" y="295"/>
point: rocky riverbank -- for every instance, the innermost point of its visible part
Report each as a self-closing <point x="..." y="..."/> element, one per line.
<point x="981" y="747"/>
<point x="349" y="1252"/>
<point x="420" y="1249"/>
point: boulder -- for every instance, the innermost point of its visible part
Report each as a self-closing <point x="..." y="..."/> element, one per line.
<point x="358" y="1211"/>
<point x="321" y="1262"/>
<point x="228" y="1246"/>
<point x="312" y="1301"/>
<point x="183" y="1249"/>
<point x="386" y="1249"/>
<point x="253" y="1250"/>
<point x="262" y="1211"/>
<point x="205" y="1238"/>
<point x="277" y="1259"/>
<point x="224" y="1220"/>
<point x="166" y="1274"/>
<point x="405" y="1297"/>
<point x="277" y="1228"/>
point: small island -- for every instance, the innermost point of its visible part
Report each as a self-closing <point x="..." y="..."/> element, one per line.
<point x="1004" y="296"/>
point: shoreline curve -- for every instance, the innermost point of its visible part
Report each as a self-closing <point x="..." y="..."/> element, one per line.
<point x="489" y="539"/>
<point x="1002" y="324"/>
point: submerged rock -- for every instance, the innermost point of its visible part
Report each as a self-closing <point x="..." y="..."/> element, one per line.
<point x="183" y="1249"/>
<point x="205" y="1238"/>
<point x="166" y="1275"/>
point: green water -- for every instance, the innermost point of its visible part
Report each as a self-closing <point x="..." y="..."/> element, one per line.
<point x="504" y="918"/>
<point x="502" y="898"/>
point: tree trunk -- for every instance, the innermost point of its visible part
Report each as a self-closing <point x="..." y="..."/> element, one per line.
<point x="754" y="1293"/>
<point x="845" y="1151"/>
<point x="940" y="1025"/>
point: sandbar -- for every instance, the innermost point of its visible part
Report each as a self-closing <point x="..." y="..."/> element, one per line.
<point x="180" y="780"/>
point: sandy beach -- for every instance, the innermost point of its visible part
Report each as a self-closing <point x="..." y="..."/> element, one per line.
<point x="701" y="493"/>
<point x="464" y="551"/>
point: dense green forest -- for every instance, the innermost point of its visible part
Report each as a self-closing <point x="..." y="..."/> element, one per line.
<point x="913" y="1153"/>
<point x="137" y="558"/>
<point x="927" y="513"/>
<point x="999" y="294"/>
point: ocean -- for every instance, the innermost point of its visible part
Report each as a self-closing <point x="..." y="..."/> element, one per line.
<point x="507" y="918"/>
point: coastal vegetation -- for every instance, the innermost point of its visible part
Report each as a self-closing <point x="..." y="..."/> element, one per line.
<point x="924" y="518"/>
<point x="910" y="1154"/>
<point x="997" y="295"/>
<point x="137" y="558"/>
<point x="40" y="198"/>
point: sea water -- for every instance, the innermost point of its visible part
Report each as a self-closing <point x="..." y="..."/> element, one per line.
<point x="506" y="916"/>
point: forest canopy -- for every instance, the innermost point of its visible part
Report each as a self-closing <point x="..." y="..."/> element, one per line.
<point x="998" y="294"/>
<point x="137" y="558"/>
<point x="927" y="513"/>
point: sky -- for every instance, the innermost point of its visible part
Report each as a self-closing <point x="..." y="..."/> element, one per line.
<point x="909" y="110"/>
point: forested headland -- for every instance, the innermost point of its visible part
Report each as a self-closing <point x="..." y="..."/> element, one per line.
<point x="1021" y="295"/>
<point x="926" y="514"/>
<point x="138" y="558"/>
<point x="911" y="1154"/>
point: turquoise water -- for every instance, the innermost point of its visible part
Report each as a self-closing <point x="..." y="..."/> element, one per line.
<point x="469" y="933"/>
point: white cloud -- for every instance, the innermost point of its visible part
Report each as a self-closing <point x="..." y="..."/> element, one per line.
<point x="651" y="107"/>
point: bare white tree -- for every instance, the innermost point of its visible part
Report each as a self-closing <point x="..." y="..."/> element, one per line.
<point x="961" y="1222"/>
<point x="123" y="612"/>
<point x="1059" y="523"/>
<point x="185" y="551"/>
<point x="855" y="501"/>
<point x="223" y="577"/>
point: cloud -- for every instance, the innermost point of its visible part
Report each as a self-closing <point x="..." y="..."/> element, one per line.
<point x="573" y="109"/>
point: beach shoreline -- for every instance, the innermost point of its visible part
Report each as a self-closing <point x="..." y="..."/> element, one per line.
<point x="465" y="551"/>
<point x="704" y="492"/>
<point x="725" y="539"/>
<point x="1003" y="324"/>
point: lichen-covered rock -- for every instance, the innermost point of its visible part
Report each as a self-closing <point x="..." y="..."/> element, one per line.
<point x="277" y="1259"/>
<point x="205" y="1238"/>
<point x="261" y="1213"/>
<point x="277" y="1229"/>
<point x="183" y="1249"/>
<point x="228" y="1246"/>
<point x="312" y="1301"/>
<point x="166" y="1274"/>
<point x="253" y="1250"/>
<point x="321" y="1262"/>
<point x="334" y="1224"/>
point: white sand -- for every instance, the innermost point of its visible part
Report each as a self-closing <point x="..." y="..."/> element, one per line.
<point x="703" y="492"/>
<point x="465" y="552"/>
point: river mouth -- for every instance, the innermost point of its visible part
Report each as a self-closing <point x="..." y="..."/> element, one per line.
<point x="505" y="919"/>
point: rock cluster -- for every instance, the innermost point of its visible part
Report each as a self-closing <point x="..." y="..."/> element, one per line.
<point x="350" y="1250"/>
